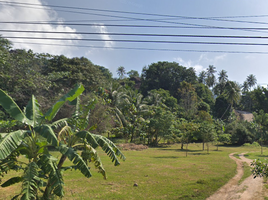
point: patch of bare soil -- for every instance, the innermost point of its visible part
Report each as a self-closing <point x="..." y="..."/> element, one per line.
<point x="249" y="189"/>
<point x="131" y="146"/>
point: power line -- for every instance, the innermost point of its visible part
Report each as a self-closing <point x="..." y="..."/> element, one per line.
<point x="133" y="26"/>
<point x="141" y="13"/>
<point x="138" y="34"/>
<point x="148" y="49"/>
<point x="140" y="41"/>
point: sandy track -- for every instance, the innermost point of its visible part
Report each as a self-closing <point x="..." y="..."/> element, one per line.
<point x="249" y="189"/>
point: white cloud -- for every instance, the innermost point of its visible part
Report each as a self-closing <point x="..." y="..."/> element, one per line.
<point x="211" y="60"/>
<point x="39" y="14"/>
<point x="103" y="29"/>
<point x="198" y="68"/>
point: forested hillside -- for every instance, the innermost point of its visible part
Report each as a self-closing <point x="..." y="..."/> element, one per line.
<point x="167" y="102"/>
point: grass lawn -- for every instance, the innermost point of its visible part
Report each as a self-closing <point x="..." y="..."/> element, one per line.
<point x="160" y="173"/>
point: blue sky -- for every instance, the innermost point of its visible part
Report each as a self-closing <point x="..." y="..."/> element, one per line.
<point x="238" y="66"/>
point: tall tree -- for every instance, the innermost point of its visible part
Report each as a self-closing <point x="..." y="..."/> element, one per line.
<point x="251" y="80"/>
<point x="121" y="72"/>
<point x="202" y="77"/>
<point x="211" y="79"/>
<point x="166" y="75"/>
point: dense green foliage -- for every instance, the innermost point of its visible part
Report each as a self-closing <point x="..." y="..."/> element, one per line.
<point x="167" y="103"/>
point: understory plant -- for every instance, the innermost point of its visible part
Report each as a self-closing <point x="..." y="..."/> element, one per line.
<point x="41" y="175"/>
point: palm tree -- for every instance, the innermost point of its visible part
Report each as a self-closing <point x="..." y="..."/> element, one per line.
<point x="251" y="80"/>
<point x="223" y="77"/>
<point x="202" y="77"/>
<point x="211" y="79"/>
<point x="220" y="86"/>
<point x="211" y="70"/>
<point x="232" y="93"/>
<point x="121" y="72"/>
<point x="245" y="87"/>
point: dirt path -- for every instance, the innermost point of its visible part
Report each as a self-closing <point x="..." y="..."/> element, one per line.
<point x="250" y="188"/>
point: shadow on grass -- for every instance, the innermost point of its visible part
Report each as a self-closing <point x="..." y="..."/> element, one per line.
<point x="173" y="157"/>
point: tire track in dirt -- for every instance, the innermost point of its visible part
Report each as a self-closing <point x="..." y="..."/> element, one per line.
<point x="249" y="189"/>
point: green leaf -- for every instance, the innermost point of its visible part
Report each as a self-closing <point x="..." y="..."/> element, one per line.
<point x="91" y="154"/>
<point x="10" y="143"/>
<point x="110" y="149"/>
<point x="13" y="109"/>
<point x="89" y="137"/>
<point x="29" y="186"/>
<point x="47" y="132"/>
<point x="12" y="181"/>
<point x="76" y="159"/>
<point x="70" y="96"/>
<point x="33" y="111"/>
<point x="48" y="164"/>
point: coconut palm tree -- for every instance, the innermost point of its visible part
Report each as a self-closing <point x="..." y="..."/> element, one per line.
<point x="232" y="93"/>
<point x="202" y="77"/>
<point x="121" y="72"/>
<point x="251" y="80"/>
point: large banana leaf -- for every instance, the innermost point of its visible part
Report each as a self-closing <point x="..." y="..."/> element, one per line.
<point x="10" y="142"/>
<point x="47" y="132"/>
<point x="29" y="186"/>
<point x="89" y="138"/>
<point x="33" y="111"/>
<point x="70" y="96"/>
<point x="49" y="165"/>
<point x="110" y="149"/>
<point x="91" y="155"/>
<point x="13" y="109"/>
<point x="76" y="159"/>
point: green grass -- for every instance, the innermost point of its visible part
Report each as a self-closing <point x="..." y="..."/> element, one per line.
<point x="246" y="174"/>
<point x="161" y="173"/>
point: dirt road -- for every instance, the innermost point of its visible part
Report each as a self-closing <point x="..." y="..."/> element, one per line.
<point x="249" y="189"/>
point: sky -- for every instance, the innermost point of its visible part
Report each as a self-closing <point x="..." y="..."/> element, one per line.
<point x="101" y="18"/>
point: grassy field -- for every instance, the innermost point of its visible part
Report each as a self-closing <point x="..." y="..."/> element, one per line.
<point x="160" y="173"/>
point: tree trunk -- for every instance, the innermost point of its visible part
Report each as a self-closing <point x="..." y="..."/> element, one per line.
<point x="47" y="192"/>
<point x="186" y="149"/>
<point x="203" y="145"/>
<point x="182" y="146"/>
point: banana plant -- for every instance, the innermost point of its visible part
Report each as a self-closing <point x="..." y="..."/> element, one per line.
<point x="42" y="171"/>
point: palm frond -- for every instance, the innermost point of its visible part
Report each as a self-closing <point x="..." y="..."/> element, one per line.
<point x="47" y="132"/>
<point x="13" y="109"/>
<point x="29" y="186"/>
<point x="110" y="149"/>
<point x="76" y="159"/>
<point x="70" y="96"/>
<point x="10" y="142"/>
<point x="49" y="165"/>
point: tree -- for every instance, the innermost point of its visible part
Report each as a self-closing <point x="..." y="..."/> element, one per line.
<point x="121" y="72"/>
<point x="187" y="132"/>
<point x="211" y="79"/>
<point x="166" y="75"/>
<point x="207" y="133"/>
<point x="42" y="169"/>
<point x="133" y="73"/>
<point x="262" y="120"/>
<point x="202" y="77"/>
<point x="188" y="99"/>
<point x="251" y="80"/>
